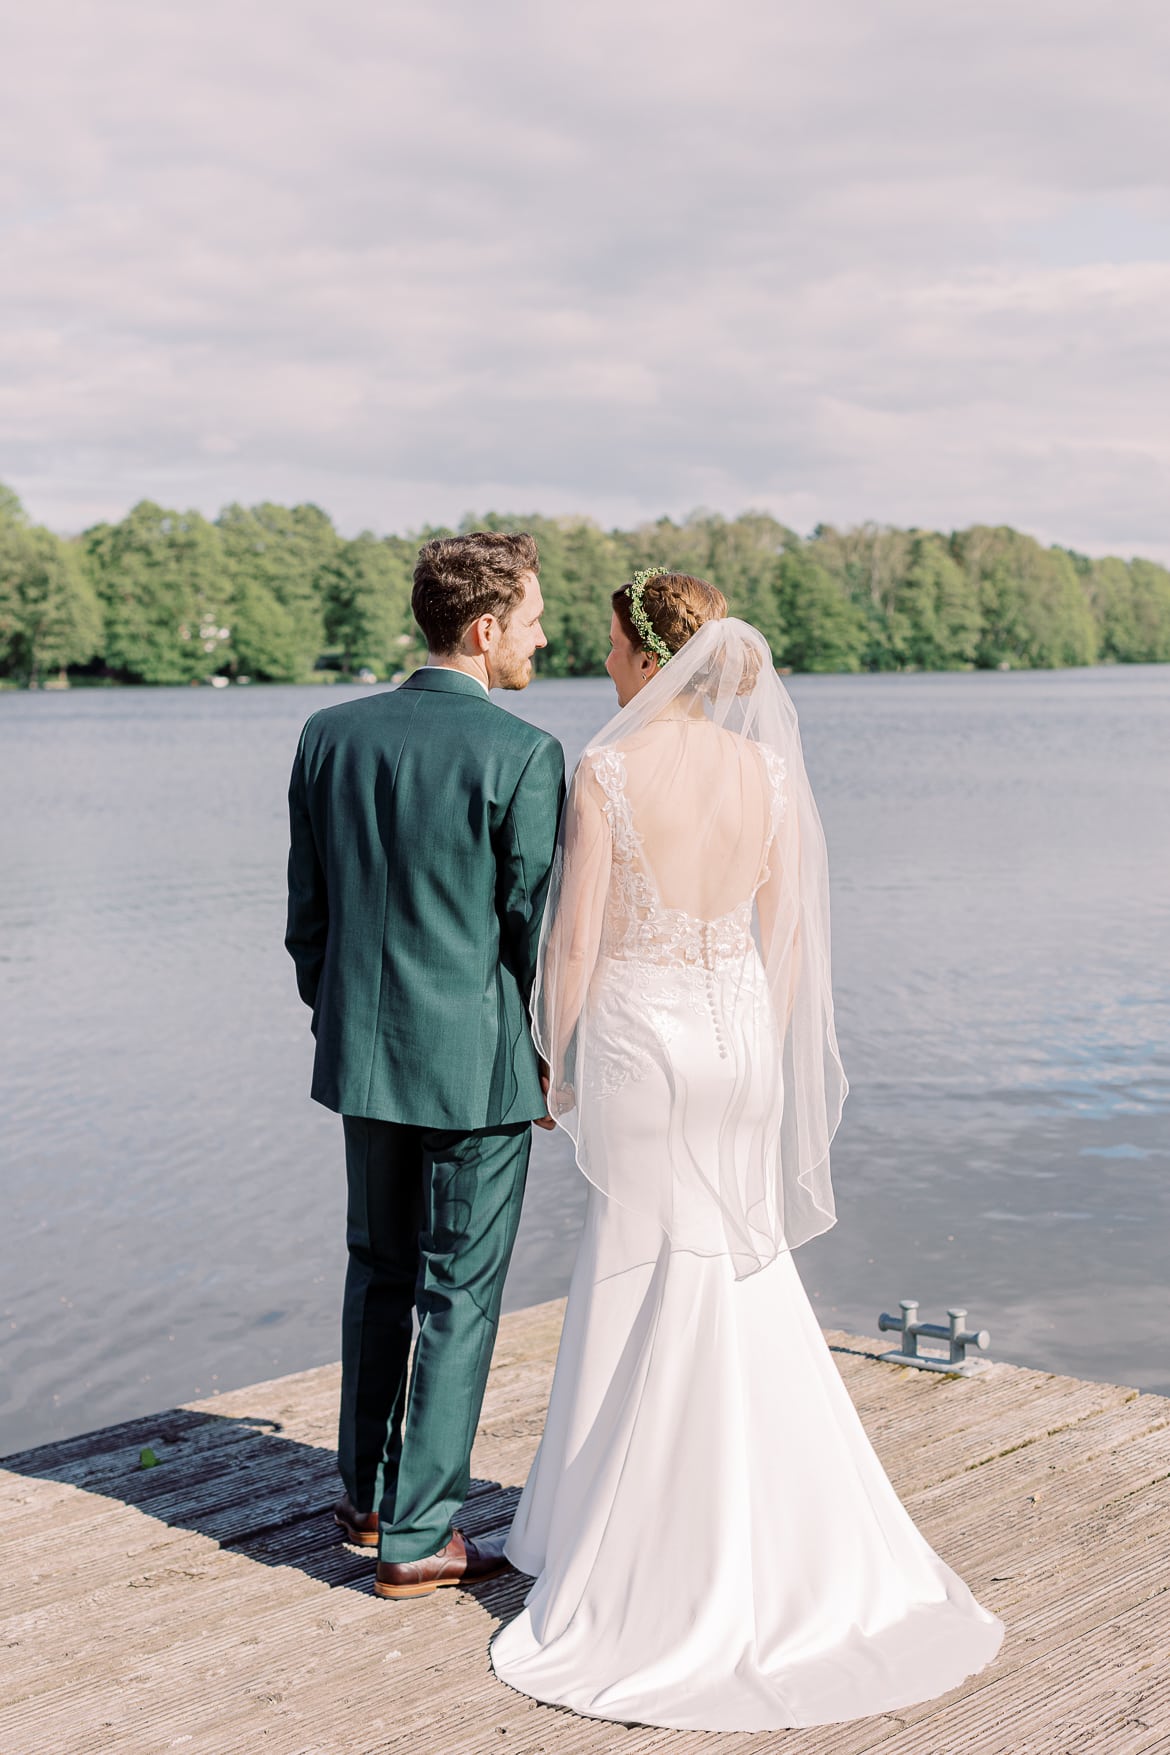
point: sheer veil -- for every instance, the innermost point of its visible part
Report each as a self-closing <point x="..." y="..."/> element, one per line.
<point x="690" y="893"/>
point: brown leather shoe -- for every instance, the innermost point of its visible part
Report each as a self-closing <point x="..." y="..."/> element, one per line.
<point x="360" y="1527"/>
<point x="462" y="1561"/>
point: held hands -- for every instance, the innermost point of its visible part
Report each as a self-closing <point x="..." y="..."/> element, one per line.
<point x="545" y="1121"/>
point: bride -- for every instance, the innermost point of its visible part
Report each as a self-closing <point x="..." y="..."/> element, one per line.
<point x="715" y="1544"/>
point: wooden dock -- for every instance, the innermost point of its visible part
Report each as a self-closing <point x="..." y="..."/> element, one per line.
<point x="206" y="1605"/>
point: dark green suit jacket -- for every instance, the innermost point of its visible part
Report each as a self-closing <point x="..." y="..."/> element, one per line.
<point x="423" y="826"/>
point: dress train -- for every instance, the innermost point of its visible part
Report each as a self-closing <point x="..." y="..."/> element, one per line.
<point x="714" y="1541"/>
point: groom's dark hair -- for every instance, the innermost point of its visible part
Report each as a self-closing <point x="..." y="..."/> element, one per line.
<point x="459" y="578"/>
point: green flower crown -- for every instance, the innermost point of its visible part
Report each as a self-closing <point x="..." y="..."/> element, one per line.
<point x="651" y="642"/>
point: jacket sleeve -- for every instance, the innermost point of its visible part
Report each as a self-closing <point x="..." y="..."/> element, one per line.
<point x="308" y="901"/>
<point x="524" y="857"/>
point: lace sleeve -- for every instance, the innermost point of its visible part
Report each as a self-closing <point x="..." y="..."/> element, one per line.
<point x="607" y="771"/>
<point x="777" y="768"/>
<point x="775" y="896"/>
<point x="573" y="925"/>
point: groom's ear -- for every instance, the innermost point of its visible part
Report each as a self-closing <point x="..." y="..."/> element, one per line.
<point x="479" y="633"/>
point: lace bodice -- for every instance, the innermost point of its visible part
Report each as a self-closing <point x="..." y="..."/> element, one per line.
<point x="638" y="925"/>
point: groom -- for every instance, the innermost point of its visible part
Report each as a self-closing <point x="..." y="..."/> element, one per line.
<point x="423" y="825"/>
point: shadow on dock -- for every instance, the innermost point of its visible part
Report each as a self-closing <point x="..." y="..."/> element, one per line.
<point x="237" y="1480"/>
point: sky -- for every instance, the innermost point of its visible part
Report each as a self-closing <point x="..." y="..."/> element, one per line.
<point x="907" y="262"/>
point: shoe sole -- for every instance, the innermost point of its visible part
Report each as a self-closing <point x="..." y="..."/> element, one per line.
<point x="359" y="1538"/>
<point x="433" y="1584"/>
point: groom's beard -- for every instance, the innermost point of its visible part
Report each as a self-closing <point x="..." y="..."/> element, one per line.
<point x="511" y="672"/>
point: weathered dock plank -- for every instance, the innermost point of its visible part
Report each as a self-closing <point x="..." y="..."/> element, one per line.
<point x="206" y="1605"/>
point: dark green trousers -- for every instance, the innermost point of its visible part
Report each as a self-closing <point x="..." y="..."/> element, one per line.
<point x="431" y="1221"/>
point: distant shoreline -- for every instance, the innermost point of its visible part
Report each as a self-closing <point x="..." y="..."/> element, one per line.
<point x="105" y="685"/>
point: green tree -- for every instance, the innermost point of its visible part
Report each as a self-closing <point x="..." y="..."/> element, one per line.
<point x="1110" y="591"/>
<point x="823" y="630"/>
<point x="933" y="618"/>
<point x="1150" y="612"/>
<point x="580" y="569"/>
<point x="743" y="560"/>
<point x="870" y="563"/>
<point x="366" y="592"/>
<point x="268" y="640"/>
<point x="742" y="552"/>
<point x="1033" y="602"/>
<point x="162" y="581"/>
<point x="759" y="600"/>
<point x="49" y="614"/>
<point x="684" y="548"/>
<point x="276" y="558"/>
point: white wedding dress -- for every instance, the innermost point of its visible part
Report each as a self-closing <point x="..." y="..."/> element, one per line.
<point x="714" y="1543"/>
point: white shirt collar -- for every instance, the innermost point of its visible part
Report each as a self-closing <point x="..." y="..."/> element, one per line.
<point x="466" y="673"/>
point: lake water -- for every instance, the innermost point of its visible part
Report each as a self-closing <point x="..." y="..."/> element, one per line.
<point x="1000" y="850"/>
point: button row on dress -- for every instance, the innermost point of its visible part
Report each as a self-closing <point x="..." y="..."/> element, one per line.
<point x="720" y="1041"/>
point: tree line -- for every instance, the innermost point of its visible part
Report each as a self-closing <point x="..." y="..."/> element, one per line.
<point x="275" y="593"/>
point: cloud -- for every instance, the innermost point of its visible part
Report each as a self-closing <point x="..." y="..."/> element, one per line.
<point x="908" y="263"/>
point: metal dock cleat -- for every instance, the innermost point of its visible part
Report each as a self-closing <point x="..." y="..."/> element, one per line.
<point x="960" y="1338"/>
